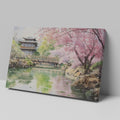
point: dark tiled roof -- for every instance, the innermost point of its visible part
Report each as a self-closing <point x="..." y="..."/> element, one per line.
<point x="30" y="39"/>
<point x="31" y="42"/>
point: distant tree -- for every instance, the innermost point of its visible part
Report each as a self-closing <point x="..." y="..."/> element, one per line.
<point x="45" y="47"/>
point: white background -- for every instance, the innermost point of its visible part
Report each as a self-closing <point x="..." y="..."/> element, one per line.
<point x="15" y="105"/>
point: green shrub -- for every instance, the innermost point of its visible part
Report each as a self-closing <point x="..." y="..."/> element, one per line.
<point x="10" y="84"/>
<point x="96" y="65"/>
<point x="29" y="62"/>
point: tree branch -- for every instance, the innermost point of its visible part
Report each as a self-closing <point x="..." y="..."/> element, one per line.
<point x="97" y="34"/>
<point x="78" y="56"/>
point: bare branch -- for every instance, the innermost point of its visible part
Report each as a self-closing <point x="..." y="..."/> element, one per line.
<point x="97" y="34"/>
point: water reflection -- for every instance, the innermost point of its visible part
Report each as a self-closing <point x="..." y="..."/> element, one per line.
<point x="42" y="80"/>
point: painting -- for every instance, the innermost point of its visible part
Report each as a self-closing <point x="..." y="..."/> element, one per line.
<point x="64" y="62"/>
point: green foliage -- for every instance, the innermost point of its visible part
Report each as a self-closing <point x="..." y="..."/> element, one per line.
<point x="10" y="84"/>
<point x="15" y="50"/>
<point x="88" y="94"/>
<point x="29" y="62"/>
<point x="36" y="53"/>
<point x="45" y="47"/>
<point x="96" y="65"/>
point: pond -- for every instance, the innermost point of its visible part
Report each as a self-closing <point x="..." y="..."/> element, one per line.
<point x="42" y="80"/>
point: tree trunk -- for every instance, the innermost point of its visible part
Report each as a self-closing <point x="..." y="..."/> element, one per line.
<point x="88" y="65"/>
<point x="78" y="56"/>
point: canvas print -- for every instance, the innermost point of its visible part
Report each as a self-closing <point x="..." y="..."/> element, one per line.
<point x="57" y="61"/>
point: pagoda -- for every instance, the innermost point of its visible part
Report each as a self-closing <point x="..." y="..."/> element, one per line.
<point x="28" y="45"/>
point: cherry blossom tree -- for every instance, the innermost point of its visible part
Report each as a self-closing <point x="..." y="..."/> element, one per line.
<point x="77" y="46"/>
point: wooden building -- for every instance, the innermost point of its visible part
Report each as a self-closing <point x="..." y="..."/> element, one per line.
<point x="28" y="45"/>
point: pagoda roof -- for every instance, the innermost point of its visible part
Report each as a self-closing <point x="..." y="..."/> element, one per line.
<point x="31" y="42"/>
<point x="30" y="39"/>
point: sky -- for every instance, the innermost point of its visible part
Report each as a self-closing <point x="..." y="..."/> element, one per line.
<point x="20" y="32"/>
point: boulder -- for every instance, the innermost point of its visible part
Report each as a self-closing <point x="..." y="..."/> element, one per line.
<point x="87" y="82"/>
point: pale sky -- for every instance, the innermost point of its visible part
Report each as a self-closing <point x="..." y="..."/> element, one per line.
<point x="21" y="32"/>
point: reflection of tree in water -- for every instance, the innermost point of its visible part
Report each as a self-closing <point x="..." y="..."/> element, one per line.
<point x="25" y="79"/>
<point x="47" y="81"/>
<point x="19" y="75"/>
<point x="10" y="84"/>
<point x="43" y="83"/>
<point x="84" y="94"/>
<point x="62" y="86"/>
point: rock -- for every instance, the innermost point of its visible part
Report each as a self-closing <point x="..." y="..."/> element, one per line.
<point x="87" y="82"/>
<point x="96" y="92"/>
<point x="77" y="74"/>
<point x="93" y="82"/>
<point x="74" y="73"/>
<point x="79" y="69"/>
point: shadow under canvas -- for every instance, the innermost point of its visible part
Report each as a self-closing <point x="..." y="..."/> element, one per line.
<point x="101" y="97"/>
